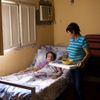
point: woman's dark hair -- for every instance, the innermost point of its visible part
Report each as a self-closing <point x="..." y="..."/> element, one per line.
<point x="54" y="55"/>
<point x="73" y="28"/>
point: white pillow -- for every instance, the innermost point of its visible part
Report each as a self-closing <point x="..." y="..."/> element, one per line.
<point x="41" y="56"/>
<point x="59" y="50"/>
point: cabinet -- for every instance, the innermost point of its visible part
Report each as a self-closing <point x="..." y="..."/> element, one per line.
<point x="18" y="25"/>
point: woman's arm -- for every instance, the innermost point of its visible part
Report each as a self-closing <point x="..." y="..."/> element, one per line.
<point x="83" y="61"/>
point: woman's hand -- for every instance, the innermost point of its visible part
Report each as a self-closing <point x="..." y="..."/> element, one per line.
<point x="80" y="64"/>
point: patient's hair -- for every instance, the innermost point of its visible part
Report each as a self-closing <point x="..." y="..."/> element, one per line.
<point x="54" y="55"/>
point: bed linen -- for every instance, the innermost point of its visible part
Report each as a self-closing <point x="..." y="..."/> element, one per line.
<point x="46" y="88"/>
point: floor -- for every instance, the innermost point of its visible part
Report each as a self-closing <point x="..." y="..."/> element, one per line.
<point x="68" y="94"/>
<point x="91" y="91"/>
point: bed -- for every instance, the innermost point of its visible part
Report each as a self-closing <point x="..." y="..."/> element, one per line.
<point x="27" y="85"/>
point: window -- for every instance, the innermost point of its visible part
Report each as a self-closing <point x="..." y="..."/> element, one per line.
<point x="19" y="28"/>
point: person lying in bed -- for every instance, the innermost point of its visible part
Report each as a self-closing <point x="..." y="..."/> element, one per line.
<point x="44" y="69"/>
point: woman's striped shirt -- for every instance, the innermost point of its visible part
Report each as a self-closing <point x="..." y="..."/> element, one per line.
<point x="76" y="47"/>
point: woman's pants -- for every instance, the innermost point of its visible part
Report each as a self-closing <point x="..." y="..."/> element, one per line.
<point x="77" y="77"/>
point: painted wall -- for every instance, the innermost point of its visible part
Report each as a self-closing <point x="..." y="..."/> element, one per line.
<point x="45" y="34"/>
<point x="20" y="59"/>
<point x="16" y="60"/>
<point x="85" y="12"/>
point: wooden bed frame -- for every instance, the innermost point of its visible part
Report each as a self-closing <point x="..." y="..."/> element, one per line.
<point x="94" y="44"/>
<point x="93" y="64"/>
<point x="33" y="94"/>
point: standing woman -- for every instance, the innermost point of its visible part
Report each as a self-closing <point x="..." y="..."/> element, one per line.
<point x="78" y="52"/>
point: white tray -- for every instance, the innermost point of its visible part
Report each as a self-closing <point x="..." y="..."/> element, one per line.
<point x="61" y="65"/>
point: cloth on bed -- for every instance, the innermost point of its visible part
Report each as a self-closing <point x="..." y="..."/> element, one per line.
<point x="41" y="80"/>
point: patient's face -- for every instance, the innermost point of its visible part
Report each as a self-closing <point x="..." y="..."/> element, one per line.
<point x="50" y="57"/>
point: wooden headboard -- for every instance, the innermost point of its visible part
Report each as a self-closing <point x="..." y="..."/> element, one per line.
<point x="94" y="44"/>
<point x="93" y="63"/>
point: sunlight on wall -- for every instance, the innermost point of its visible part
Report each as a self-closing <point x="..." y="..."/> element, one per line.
<point x="16" y="60"/>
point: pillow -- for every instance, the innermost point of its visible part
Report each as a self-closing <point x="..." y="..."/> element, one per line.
<point x="41" y="53"/>
<point x="59" y="50"/>
<point x="41" y="57"/>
